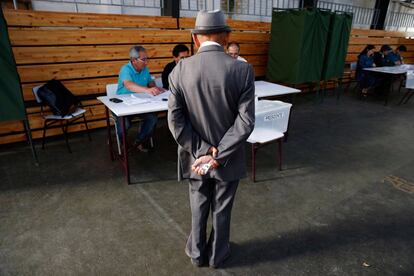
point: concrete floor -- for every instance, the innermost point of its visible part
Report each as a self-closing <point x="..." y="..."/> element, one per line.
<point x="333" y="208"/>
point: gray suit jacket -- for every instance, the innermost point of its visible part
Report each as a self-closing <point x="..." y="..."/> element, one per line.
<point x="211" y="104"/>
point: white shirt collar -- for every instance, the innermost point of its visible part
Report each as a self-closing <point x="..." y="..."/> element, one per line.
<point x="208" y="43"/>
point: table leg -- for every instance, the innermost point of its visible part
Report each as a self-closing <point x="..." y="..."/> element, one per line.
<point x="125" y="148"/>
<point x="254" y="150"/>
<point x="279" y="141"/>
<point x="108" y="127"/>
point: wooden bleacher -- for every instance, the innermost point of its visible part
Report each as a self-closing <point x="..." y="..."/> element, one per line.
<point x="86" y="51"/>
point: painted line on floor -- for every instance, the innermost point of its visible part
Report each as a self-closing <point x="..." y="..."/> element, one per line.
<point x="170" y="220"/>
<point x="162" y="212"/>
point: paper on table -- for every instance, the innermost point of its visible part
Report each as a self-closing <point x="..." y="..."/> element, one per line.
<point x="162" y="96"/>
<point x="135" y="100"/>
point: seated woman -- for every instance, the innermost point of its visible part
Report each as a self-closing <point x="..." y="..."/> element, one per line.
<point x="364" y="78"/>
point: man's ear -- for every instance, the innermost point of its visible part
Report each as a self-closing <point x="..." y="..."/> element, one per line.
<point x="196" y="41"/>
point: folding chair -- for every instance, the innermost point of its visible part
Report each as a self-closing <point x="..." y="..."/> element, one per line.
<point x="409" y="86"/>
<point x="65" y="122"/>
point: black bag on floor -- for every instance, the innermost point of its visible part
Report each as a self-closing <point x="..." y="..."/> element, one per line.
<point x="58" y="98"/>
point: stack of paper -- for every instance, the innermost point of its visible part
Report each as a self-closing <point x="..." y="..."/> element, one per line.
<point x="135" y="100"/>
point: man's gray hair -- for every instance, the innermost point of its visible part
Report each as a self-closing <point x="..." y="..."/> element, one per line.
<point x="134" y="51"/>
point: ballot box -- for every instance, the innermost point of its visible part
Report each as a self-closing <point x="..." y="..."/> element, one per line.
<point x="272" y="115"/>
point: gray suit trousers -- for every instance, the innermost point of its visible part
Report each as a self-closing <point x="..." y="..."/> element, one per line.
<point x="215" y="196"/>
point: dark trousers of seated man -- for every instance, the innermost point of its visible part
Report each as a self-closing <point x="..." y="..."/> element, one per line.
<point x="149" y="121"/>
<point x="217" y="197"/>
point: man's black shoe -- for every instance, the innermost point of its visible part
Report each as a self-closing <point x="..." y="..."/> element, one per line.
<point x="196" y="263"/>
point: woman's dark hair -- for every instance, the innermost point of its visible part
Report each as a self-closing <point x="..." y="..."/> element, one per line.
<point x="366" y="49"/>
<point x="179" y="48"/>
<point x="402" y="48"/>
<point x="385" y="48"/>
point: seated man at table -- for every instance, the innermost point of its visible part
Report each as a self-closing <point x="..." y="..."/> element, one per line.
<point x="395" y="56"/>
<point x="381" y="57"/>
<point x="179" y="52"/>
<point x="233" y="50"/>
<point x="134" y="77"/>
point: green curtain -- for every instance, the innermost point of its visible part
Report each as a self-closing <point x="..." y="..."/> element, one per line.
<point x="11" y="101"/>
<point x="337" y="46"/>
<point x="297" y="45"/>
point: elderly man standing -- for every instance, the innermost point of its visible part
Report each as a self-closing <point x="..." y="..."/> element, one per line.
<point x="210" y="115"/>
<point x="134" y="77"/>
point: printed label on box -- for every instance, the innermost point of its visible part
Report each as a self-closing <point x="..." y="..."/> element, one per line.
<point x="273" y="116"/>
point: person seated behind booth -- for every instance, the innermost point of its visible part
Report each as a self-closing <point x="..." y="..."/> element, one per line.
<point x="179" y="52"/>
<point x="233" y="50"/>
<point x="381" y="58"/>
<point x="364" y="78"/>
<point x="134" y="77"/>
<point x="395" y="56"/>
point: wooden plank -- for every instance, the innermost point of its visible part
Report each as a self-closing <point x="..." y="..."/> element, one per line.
<point x="12" y="138"/>
<point x="379" y="33"/>
<point x="406" y="41"/>
<point x="409" y="60"/>
<point x="351" y="57"/>
<point x="254" y="49"/>
<point x="45" y="72"/>
<point x="248" y="25"/>
<point x="28" y="37"/>
<point x="257" y="60"/>
<point x="373" y="40"/>
<point x="79" y="87"/>
<point x="51" y="54"/>
<point x="358" y="48"/>
<point x="186" y="22"/>
<point x="260" y="71"/>
<point x="246" y="37"/>
<point x="11" y="126"/>
<point x="64" y="19"/>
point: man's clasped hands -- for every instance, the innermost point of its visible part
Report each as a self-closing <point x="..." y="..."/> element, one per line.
<point x="199" y="164"/>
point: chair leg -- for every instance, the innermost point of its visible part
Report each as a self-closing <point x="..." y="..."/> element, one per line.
<point x="65" y="132"/>
<point x="118" y="141"/>
<point x="254" y="150"/>
<point x="279" y="141"/>
<point x="86" y="126"/>
<point x="44" y="133"/>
